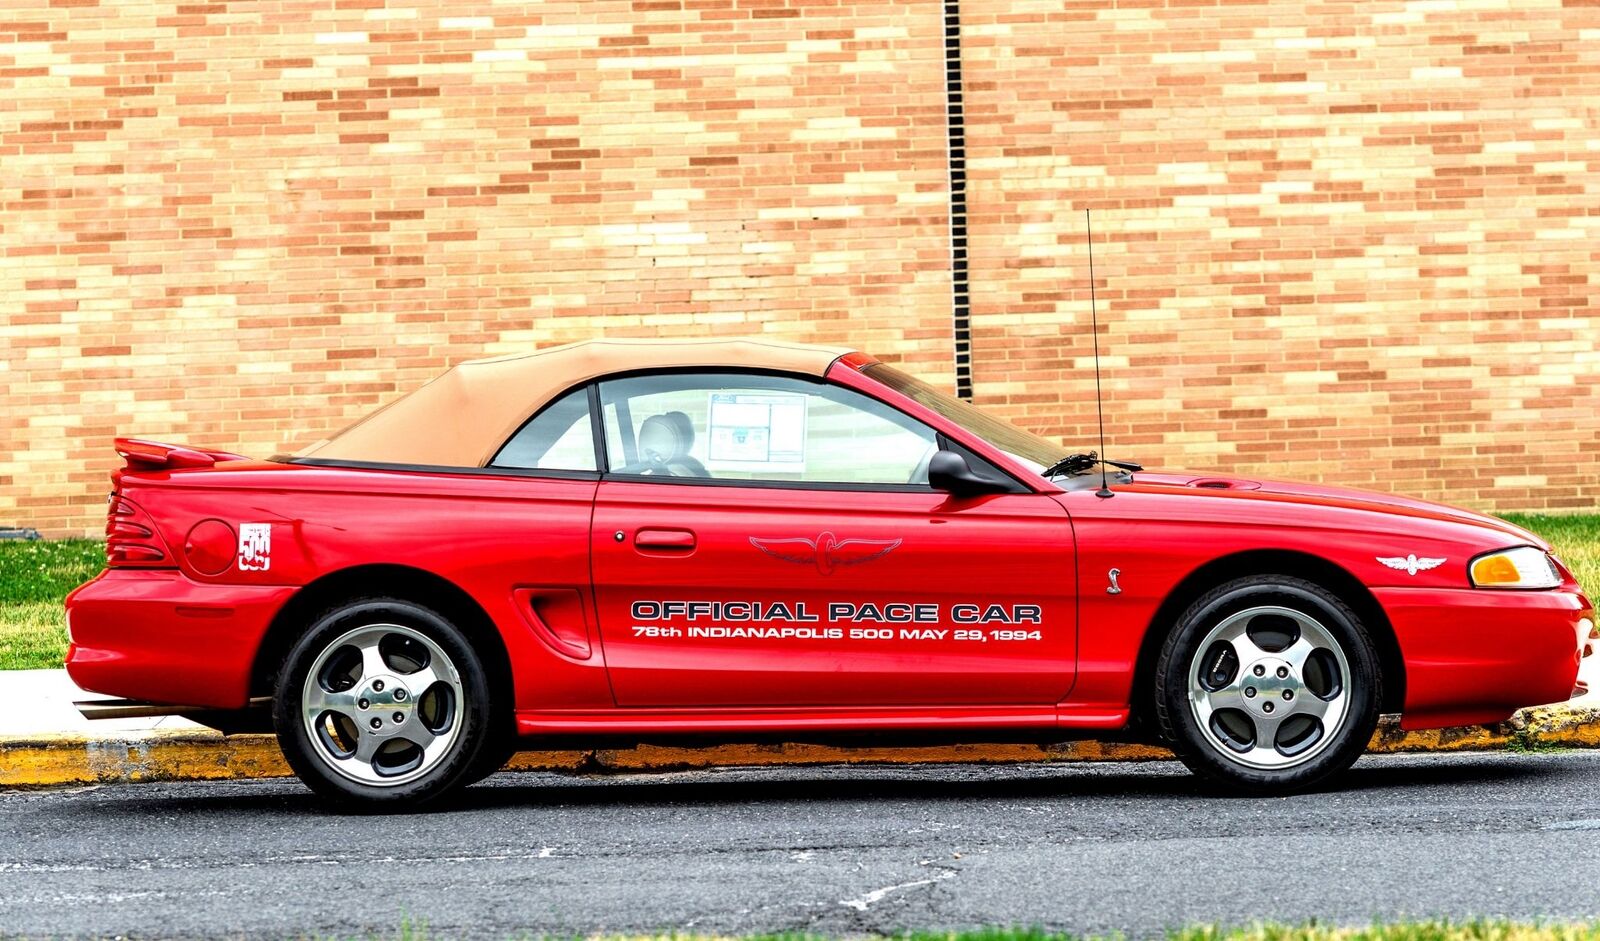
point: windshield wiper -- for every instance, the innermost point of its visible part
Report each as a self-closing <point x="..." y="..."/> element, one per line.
<point x="1083" y="463"/>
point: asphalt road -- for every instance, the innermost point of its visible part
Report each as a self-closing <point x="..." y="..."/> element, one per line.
<point x="1086" y="848"/>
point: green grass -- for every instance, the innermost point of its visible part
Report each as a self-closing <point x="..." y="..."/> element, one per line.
<point x="1575" y="539"/>
<point x="36" y="576"/>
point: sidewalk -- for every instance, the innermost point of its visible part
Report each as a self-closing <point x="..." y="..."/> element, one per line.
<point x="40" y="702"/>
<point x="45" y="742"/>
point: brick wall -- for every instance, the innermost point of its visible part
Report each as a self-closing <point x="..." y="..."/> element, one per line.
<point x="1348" y="241"/>
<point x="1351" y="241"/>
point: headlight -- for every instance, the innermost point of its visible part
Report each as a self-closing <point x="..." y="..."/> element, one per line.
<point x="1523" y="567"/>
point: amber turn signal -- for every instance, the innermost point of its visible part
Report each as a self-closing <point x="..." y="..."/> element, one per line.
<point x="1522" y="567"/>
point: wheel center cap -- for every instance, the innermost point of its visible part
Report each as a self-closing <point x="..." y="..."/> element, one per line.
<point x="388" y="704"/>
<point x="1270" y="686"/>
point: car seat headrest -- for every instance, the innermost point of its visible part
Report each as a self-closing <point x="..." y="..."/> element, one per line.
<point x="666" y="438"/>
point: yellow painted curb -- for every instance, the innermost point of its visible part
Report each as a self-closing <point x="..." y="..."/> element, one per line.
<point x="157" y="756"/>
<point x="46" y="761"/>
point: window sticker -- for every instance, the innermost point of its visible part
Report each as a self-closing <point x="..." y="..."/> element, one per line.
<point x="757" y="431"/>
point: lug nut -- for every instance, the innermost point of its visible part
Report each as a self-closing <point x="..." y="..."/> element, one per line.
<point x="1266" y="707"/>
<point x="363" y="703"/>
<point x="377" y="723"/>
<point x="377" y="686"/>
<point x="1283" y="672"/>
<point x="1250" y="692"/>
<point x="399" y="695"/>
<point x="1288" y="694"/>
<point x="1260" y="670"/>
<point x="399" y="717"/>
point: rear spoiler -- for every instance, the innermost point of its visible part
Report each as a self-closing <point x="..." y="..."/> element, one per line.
<point x="155" y="455"/>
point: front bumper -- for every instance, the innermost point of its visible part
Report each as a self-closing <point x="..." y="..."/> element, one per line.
<point x="159" y="636"/>
<point x="1476" y="656"/>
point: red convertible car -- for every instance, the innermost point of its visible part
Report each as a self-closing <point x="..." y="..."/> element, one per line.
<point x="622" y="541"/>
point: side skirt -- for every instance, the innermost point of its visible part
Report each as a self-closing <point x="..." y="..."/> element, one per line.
<point x="921" y="723"/>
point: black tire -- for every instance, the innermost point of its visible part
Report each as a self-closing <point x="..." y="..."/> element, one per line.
<point x="1206" y="751"/>
<point x="471" y="719"/>
<point x="495" y="755"/>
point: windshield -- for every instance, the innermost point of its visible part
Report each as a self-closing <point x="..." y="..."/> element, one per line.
<point x="1026" y="447"/>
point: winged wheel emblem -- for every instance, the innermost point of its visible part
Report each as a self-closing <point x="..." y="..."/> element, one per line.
<point x="826" y="551"/>
<point x="1410" y="564"/>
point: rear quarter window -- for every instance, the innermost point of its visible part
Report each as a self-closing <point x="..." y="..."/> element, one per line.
<point x="560" y="437"/>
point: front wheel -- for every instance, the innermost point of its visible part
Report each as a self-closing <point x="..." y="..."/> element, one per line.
<point x="1268" y="684"/>
<point x="383" y="704"/>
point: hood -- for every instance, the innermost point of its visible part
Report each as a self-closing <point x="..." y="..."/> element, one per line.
<point x="1321" y="494"/>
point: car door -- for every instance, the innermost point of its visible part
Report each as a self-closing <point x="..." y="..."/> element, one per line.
<point x="767" y="540"/>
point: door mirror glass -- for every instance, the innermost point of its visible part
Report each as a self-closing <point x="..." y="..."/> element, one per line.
<point x="950" y="472"/>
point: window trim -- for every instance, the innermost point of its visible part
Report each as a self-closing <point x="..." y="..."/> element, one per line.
<point x="596" y="428"/>
<point x="477" y="471"/>
<point x="597" y="414"/>
<point x="822" y="486"/>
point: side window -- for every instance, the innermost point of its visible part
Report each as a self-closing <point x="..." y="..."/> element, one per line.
<point x="735" y="426"/>
<point x="560" y="437"/>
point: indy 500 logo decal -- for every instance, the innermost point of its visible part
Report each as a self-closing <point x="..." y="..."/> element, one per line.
<point x="255" y="547"/>
<point x="827" y="551"/>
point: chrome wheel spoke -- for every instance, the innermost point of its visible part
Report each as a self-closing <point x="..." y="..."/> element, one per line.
<point x="1267" y="729"/>
<point x="421" y="681"/>
<point x="372" y="659"/>
<point x="1247" y="649"/>
<point x="418" y="734"/>
<point x="1298" y="653"/>
<point x="1229" y="697"/>
<point x="1312" y="705"/>
<point x="366" y="748"/>
<point x="319" y="701"/>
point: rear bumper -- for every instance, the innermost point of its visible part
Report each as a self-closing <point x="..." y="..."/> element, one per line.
<point x="157" y="635"/>
<point x="1476" y="656"/>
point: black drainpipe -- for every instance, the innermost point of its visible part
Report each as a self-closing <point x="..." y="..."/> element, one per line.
<point x="956" y="138"/>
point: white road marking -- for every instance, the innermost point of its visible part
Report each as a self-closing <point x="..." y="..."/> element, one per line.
<point x="877" y="895"/>
<point x="1573" y="825"/>
<point x="315" y="859"/>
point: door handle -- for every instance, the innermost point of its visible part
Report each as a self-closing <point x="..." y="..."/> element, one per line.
<point x="671" y="540"/>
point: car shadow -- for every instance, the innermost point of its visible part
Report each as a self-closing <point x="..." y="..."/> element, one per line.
<point x="1162" y="781"/>
<point x="1390" y="772"/>
<point x="1155" y="782"/>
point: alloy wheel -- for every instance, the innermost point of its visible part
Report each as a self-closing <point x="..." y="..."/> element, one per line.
<point x="1269" y="687"/>
<point x="382" y="705"/>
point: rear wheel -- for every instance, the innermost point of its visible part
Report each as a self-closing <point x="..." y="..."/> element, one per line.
<point x="1268" y="684"/>
<point x="383" y="704"/>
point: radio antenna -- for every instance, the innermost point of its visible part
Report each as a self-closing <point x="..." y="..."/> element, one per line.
<point x="1094" y="334"/>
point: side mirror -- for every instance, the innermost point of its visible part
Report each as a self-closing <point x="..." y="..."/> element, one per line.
<point x="950" y="472"/>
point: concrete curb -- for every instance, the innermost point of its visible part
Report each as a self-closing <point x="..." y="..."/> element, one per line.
<point x="49" y="761"/>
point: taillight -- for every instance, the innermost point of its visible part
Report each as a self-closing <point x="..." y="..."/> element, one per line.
<point x="131" y="538"/>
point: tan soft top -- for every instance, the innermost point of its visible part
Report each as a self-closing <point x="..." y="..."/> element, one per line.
<point x="463" y="417"/>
